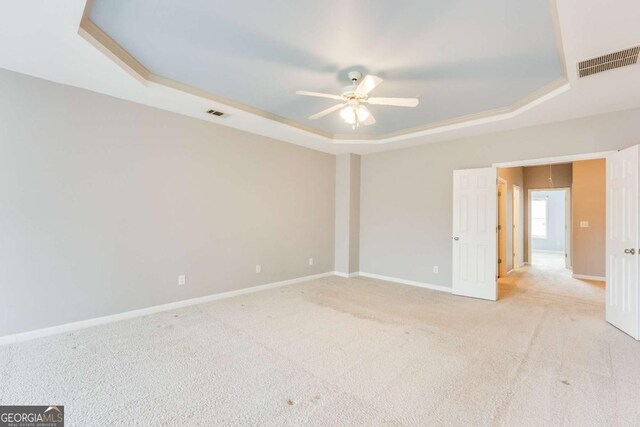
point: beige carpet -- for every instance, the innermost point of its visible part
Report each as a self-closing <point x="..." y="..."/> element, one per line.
<point x="547" y="260"/>
<point x="345" y="352"/>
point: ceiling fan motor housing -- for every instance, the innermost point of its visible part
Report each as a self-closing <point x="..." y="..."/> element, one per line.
<point x="354" y="76"/>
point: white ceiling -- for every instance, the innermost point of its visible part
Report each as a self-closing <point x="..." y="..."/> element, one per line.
<point x="40" y="38"/>
<point x="460" y="58"/>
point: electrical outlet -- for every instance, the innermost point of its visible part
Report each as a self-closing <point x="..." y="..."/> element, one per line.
<point x="182" y="280"/>
<point x="258" y="268"/>
<point x="584" y="224"/>
<point x="435" y="269"/>
<point x="310" y="261"/>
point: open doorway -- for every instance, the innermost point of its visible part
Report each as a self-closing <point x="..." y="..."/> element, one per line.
<point x="503" y="266"/>
<point x="516" y="237"/>
<point x="510" y="208"/>
<point x="550" y="228"/>
<point x="603" y="223"/>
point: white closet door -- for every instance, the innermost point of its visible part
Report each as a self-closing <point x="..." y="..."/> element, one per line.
<point x="474" y="233"/>
<point x="622" y="241"/>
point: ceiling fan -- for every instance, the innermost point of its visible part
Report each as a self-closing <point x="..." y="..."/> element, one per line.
<point x="354" y="96"/>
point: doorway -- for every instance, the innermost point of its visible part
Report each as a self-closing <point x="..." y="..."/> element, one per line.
<point x="502" y="267"/>
<point x="550" y="228"/>
<point x="604" y="202"/>
<point x="518" y="260"/>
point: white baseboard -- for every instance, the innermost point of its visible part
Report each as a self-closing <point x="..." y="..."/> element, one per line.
<point x="587" y="277"/>
<point x="82" y="324"/>
<point x="346" y="275"/>
<point x="405" y="282"/>
<point x="510" y="272"/>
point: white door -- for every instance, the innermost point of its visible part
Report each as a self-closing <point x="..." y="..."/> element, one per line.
<point x="622" y="241"/>
<point x="474" y="233"/>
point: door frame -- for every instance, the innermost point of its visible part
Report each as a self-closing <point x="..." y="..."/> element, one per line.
<point x="551" y="160"/>
<point x="517" y="226"/>
<point x="568" y="226"/>
<point x="554" y="160"/>
<point x="501" y="199"/>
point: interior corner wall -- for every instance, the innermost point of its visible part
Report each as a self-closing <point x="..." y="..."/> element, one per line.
<point x="104" y="202"/>
<point x="354" y="215"/>
<point x="537" y="178"/>
<point x="589" y="204"/>
<point x="406" y="195"/>
<point x="347" y="232"/>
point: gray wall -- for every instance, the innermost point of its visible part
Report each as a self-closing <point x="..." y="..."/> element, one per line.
<point x="103" y="203"/>
<point x="555" y="240"/>
<point x="406" y="195"/>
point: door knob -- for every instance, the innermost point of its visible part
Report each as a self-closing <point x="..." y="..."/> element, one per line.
<point x="630" y="251"/>
<point x="456" y="238"/>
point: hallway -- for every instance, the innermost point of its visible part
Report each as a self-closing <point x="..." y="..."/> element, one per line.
<point x="548" y="260"/>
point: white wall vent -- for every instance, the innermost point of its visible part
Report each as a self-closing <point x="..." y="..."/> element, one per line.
<point x="608" y="62"/>
<point x="217" y="113"/>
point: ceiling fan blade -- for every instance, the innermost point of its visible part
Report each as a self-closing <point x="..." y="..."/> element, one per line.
<point x="396" y="102"/>
<point x="318" y="94"/>
<point x="370" y="119"/>
<point x="368" y="84"/>
<point x="327" y="111"/>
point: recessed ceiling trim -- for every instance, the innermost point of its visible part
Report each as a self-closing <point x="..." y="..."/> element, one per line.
<point x="226" y="102"/>
<point x="105" y="44"/>
<point x="548" y="92"/>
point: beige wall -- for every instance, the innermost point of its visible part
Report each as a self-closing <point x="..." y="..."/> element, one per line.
<point x="406" y="195"/>
<point x="513" y="176"/>
<point x="103" y="203"/>
<point x="589" y="204"/>
<point x="537" y="178"/>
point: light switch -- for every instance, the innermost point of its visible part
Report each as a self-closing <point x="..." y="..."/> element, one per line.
<point x="584" y="224"/>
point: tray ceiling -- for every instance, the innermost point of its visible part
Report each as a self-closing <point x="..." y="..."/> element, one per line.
<point x="462" y="58"/>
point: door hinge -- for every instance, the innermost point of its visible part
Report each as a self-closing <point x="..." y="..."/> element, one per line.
<point x="499" y="261"/>
<point x="499" y="227"/>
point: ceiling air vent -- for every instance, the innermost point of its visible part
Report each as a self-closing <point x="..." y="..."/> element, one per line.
<point x="217" y="113"/>
<point x="608" y="62"/>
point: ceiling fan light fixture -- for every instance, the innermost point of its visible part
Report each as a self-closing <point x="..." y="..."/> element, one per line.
<point x="348" y="114"/>
<point x="352" y="109"/>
